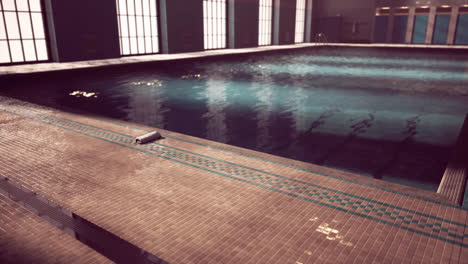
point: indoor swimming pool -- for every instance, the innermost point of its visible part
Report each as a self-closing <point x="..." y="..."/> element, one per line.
<point x="391" y="114"/>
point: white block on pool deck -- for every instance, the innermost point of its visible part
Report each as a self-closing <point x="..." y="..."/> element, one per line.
<point x="148" y="137"/>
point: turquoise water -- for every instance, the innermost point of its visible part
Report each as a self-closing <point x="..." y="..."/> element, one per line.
<point x="388" y="114"/>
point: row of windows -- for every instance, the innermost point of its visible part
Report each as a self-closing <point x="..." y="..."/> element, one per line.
<point x="23" y="34"/>
<point x="421" y="30"/>
<point x="214" y="22"/>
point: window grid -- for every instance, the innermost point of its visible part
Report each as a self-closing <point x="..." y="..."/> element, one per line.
<point x="265" y="22"/>
<point x="214" y="24"/>
<point x="300" y="21"/>
<point x="22" y="32"/>
<point x="138" y="26"/>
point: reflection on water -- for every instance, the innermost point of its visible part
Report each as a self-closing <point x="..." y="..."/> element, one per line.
<point x="263" y="109"/>
<point x="191" y="76"/>
<point x="389" y="114"/>
<point x="84" y="94"/>
<point x="216" y="128"/>
<point x="150" y="97"/>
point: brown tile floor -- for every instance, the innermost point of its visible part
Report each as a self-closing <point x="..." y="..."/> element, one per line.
<point x="27" y="238"/>
<point x="188" y="200"/>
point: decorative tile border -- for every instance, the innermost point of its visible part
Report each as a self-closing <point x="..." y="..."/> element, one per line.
<point x="424" y="224"/>
<point x="286" y="165"/>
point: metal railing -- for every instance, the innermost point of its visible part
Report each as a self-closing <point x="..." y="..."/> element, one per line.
<point x="321" y="38"/>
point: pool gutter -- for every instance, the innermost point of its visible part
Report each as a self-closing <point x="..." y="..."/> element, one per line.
<point x="128" y="60"/>
<point x="454" y="179"/>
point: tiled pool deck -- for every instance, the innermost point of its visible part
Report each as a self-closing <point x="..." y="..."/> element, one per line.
<point x="189" y="200"/>
<point x="53" y="66"/>
<point x="26" y="238"/>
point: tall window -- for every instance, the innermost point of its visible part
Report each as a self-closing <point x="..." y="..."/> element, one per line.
<point x="214" y="22"/>
<point x="264" y="22"/>
<point x="138" y="26"/>
<point x="22" y="34"/>
<point x="300" y="21"/>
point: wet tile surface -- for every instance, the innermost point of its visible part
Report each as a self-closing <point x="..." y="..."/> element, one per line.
<point x="189" y="200"/>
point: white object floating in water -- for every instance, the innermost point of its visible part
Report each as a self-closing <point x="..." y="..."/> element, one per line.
<point x="148" y="137"/>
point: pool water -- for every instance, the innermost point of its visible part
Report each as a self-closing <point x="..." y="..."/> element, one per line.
<point x="391" y="114"/>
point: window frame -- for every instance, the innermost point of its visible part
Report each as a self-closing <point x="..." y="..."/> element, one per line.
<point x="267" y="24"/>
<point x="300" y="11"/>
<point x="208" y="40"/>
<point x="34" y="39"/>
<point x="137" y="36"/>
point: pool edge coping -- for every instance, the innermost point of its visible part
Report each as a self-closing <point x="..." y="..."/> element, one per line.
<point x="250" y="154"/>
<point x="45" y="67"/>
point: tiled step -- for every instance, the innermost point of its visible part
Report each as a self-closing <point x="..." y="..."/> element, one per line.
<point x="104" y="242"/>
<point x="27" y="238"/>
<point x="453" y="182"/>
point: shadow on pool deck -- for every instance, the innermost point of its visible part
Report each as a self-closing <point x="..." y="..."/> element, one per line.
<point x="104" y="242"/>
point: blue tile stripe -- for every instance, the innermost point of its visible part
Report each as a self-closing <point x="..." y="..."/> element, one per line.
<point x="435" y="227"/>
<point x="287" y="165"/>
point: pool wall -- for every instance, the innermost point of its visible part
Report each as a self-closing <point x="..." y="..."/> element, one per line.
<point x="88" y="30"/>
<point x="82" y="30"/>
<point x="453" y="182"/>
<point x="352" y="20"/>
